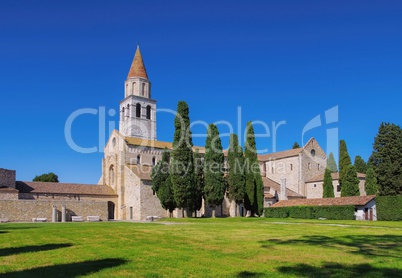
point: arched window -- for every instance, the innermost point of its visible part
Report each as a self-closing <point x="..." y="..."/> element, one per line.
<point x="138" y="159"/>
<point x="126" y="89"/>
<point x="111" y="175"/>
<point x="133" y="88"/>
<point x="138" y="110"/>
<point x="291" y="167"/>
<point x="148" y="112"/>
<point x="153" y="161"/>
<point x="143" y="89"/>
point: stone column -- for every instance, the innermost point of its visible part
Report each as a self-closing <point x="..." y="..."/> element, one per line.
<point x="63" y="213"/>
<point x="54" y="214"/>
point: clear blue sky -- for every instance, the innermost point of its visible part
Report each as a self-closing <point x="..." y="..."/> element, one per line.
<point x="277" y="60"/>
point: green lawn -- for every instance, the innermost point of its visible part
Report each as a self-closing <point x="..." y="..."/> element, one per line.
<point x="203" y="248"/>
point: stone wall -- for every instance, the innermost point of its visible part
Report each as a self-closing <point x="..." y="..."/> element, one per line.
<point x="7" y="178"/>
<point x="25" y="210"/>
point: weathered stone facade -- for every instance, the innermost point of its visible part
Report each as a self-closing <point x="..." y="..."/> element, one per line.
<point x="7" y="178"/>
<point x="26" y="210"/>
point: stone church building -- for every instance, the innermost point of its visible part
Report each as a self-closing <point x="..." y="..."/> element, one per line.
<point x="124" y="191"/>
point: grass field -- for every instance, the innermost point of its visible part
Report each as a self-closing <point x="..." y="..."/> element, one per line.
<point x="203" y="248"/>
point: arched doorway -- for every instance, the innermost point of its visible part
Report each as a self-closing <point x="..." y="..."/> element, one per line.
<point x="110" y="209"/>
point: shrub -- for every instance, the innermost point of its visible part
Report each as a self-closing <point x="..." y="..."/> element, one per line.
<point x="389" y="208"/>
<point x="312" y="212"/>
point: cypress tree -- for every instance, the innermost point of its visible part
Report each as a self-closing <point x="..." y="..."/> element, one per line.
<point x="328" y="190"/>
<point x="214" y="187"/>
<point x="386" y="159"/>
<point x="371" y="182"/>
<point x="360" y="164"/>
<point x="331" y="163"/>
<point x="295" y="145"/>
<point x="344" y="160"/>
<point x="254" y="197"/>
<point x="198" y="193"/>
<point x="182" y="167"/>
<point x="161" y="183"/>
<point x="235" y="178"/>
<point x="350" y="182"/>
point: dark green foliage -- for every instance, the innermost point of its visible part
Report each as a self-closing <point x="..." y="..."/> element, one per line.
<point x="328" y="190"/>
<point x="254" y="197"/>
<point x="214" y="187"/>
<point x="198" y="193"/>
<point x="389" y="208"/>
<point x="371" y="182"/>
<point x="295" y="145"/>
<point x="161" y="182"/>
<point x="386" y="159"/>
<point x="344" y="160"/>
<point x="181" y="166"/>
<point x="360" y="164"/>
<point x="235" y="178"/>
<point x="331" y="163"/>
<point x="313" y="212"/>
<point x="50" y="177"/>
<point x="350" y="183"/>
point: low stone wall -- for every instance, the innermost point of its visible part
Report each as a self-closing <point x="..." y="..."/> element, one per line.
<point x="25" y="210"/>
<point x="7" y="178"/>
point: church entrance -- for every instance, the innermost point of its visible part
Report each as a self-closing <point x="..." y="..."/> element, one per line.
<point x="110" y="207"/>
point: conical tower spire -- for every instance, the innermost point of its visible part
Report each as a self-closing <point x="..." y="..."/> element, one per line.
<point x="137" y="68"/>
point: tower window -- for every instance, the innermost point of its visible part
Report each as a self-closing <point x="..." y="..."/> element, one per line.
<point x="133" y="88"/>
<point x="153" y="161"/>
<point x="143" y="89"/>
<point x="138" y="159"/>
<point x="138" y="110"/>
<point x="148" y="112"/>
<point x="291" y="167"/>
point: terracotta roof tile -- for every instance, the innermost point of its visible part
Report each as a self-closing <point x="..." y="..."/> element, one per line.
<point x="155" y="144"/>
<point x="340" y="201"/>
<point x="277" y="187"/>
<point x="64" y="188"/>
<point x="137" y="68"/>
<point x="279" y="155"/>
<point x="8" y="190"/>
<point x="335" y="176"/>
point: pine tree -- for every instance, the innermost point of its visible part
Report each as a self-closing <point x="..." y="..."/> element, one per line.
<point x="161" y="183"/>
<point x="328" y="190"/>
<point x="350" y="182"/>
<point x="235" y="178"/>
<point x="295" y="145"/>
<point x="198" y="193"/>
<point x="344" y="160"/>
<point x="181" y="166"/>
<point x="331" y="163"/>
<point x="254" y="197"/>
<point x="214" y="187"/>
<point x="371" y="182"/>
<point x="386" y="159"/>
<point x="360" y="164"/>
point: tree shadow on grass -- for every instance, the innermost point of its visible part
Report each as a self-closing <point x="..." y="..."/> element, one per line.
<point x="335" y="270"/>
<point x="370" y="245"/>
<point x="67" y="270"/>
<point x="31" y="248"/>
<point x="250" y="274"/>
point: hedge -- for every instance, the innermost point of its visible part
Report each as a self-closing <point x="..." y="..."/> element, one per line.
<point x="389" y="208"/>
<point x="312" y="212"/>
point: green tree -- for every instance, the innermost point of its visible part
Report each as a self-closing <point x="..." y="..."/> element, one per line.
<point x="254" y="197"/>
<point x="165" y="195"/>
<point x="181" y="166"/>
<point x="331" y="163"/>
<point x="295" y="145"/>
<point x="235" y="178"/>
<point x="360" y="164"/>
<point x="328" y="190"/>
<point x="198" y="193"/>
<point x="160" y="173"/>
<point x="350" y="182"/>
<point x="344" y="160"/>
<point x="371" y="182"/>
<point x="50" y="177"/>
<point x="386" y="159"/>
<point x="214" y="187"/>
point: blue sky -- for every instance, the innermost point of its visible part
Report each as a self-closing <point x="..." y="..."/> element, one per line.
<point x="277" y="60"/>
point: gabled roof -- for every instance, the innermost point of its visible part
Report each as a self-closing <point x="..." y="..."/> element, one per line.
<point x="279" y="155"/>
<point x="335" y="176"/>
<point x="340" y="201"/>
<point x="137" y="68"/>
<point x="277" y="187"/>
<point x="64" y="188"/>
<point x="155" y="144"/>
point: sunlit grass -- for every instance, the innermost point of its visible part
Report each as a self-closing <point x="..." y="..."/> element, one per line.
<point x="203" y="248"/>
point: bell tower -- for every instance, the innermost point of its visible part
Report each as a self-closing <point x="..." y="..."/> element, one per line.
<point x="137" y="109"/>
